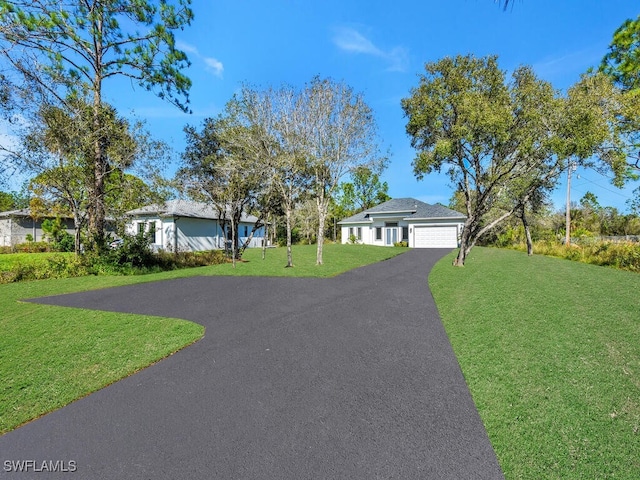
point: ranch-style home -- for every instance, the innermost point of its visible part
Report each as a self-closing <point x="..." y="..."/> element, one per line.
<point x="15" y="225"/>
<point x="419" y="224"/>
<point x="181" y="225"/>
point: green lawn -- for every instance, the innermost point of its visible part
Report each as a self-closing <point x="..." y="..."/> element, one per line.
<point x="550" y="349"/>
<point x="50" y="356"/>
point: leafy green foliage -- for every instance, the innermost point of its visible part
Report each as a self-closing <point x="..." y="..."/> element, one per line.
<point x="622" y="62"/>
<point x="504" y="144"/>
<point x="13" y="201"/>
<point x="620" y="255"/>
<point x="69" y="49"/>
<point x="365" y="190"/>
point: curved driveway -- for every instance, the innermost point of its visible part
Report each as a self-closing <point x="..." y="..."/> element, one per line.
<point x="350" y="377"/>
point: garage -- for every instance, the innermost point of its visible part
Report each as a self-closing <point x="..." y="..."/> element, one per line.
<point x="444" y="236"/>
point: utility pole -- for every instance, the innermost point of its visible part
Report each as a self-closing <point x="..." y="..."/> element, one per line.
<point x="567" y="235"/>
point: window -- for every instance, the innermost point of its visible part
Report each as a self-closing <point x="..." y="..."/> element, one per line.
<point x="390" y="224"/>
<point x="246" y="231"/>
<point x="355" y="232"/>
<point x="141" y="227"/>
<point x="152" y="229"/>
<point x="405" y="234"/>
<point x="378" y="233"/>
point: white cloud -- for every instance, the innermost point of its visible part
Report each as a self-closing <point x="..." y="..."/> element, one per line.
<point x="352" y="41"/>
<point x="566" y="68"/>
<point x="214" y="65"/>
<point x="211" y="64"/>
<point x="185" y="47"/>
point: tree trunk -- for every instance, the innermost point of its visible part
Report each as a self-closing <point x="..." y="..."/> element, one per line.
<point x="265" y="237"/>
<point x="76" y="230"/>
<point x="96" y="201"/>
<point x="527" y="232"/>
<point x="288" y="220"/>
<point x="233" y="240"/>
<point x="322" y="216"/>
<point x="464" y="244"/>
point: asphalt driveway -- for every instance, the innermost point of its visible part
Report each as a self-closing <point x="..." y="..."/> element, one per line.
<point x="350" y="377"/>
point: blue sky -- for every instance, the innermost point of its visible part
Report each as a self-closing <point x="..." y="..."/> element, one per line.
<point x="379" y="48"/>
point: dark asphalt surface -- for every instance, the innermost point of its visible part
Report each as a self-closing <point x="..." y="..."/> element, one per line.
<point x="351" y="377"/>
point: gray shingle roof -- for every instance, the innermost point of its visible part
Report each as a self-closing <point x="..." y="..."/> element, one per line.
<point x="185" y="208"/>
<point x="26" y="212"/>
<point x="23" y="212"/>
<point x="408" y="208"/>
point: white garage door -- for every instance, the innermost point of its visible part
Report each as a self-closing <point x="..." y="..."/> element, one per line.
<point x="435" y="237"/>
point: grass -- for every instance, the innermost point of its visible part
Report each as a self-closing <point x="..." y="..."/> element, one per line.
<point x="50" y="356"/>
<point x="551" y="352"/>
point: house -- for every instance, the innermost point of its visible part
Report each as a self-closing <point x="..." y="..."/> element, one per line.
<point x="181" y="225"/>
<point x="15" y="225"/>
<point x="419" y="224"/>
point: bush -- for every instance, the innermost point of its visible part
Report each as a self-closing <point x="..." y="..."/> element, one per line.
<point x="134" y="252"/>
<point x="134" y="257"/>
<point x="624" y="256"/>
<point x="33" y="247"/>
<point x="65" y="243"/>
<point x="401" y="244"/>
<point x="57" y="266"/>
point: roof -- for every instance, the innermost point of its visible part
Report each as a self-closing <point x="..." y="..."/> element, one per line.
<point x="26" y="213"/>
<point x="185" y="208"/>
<point x="23" y="212"/>
<point x="408" y="209"/>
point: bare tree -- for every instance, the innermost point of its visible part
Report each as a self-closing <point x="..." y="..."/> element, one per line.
<point x="275" y="118"/>
<point x="340" y="135"/>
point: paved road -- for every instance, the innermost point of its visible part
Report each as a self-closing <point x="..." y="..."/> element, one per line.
<point x="350" y="377"/>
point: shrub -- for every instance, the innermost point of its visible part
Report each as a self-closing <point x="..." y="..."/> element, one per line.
<point x="33" y="247"/>
<point x="57" y="266"/>
<point x="401" y="244"/>
<point x="134" y="252"/>
<point x="624" y="256"/>
<point x="65" y="243"/>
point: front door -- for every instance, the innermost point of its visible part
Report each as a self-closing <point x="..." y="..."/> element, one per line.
<point x="391" y="235"/>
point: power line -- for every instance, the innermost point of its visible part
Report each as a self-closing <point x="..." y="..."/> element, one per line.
<point x="582" y="177"/>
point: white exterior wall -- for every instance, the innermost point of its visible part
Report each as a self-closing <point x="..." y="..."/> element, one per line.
<point x="369" y="229"/>
<point x="194" y="234"/>
<point x="198" y="234"/>
<point x="5" y="232"/>
<point x="364" y="229"/>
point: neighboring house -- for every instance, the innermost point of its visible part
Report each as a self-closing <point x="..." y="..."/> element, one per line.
<point x="405" y="219"/>
<point x="15" y="225"/>
<point x="180" y="225"/>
